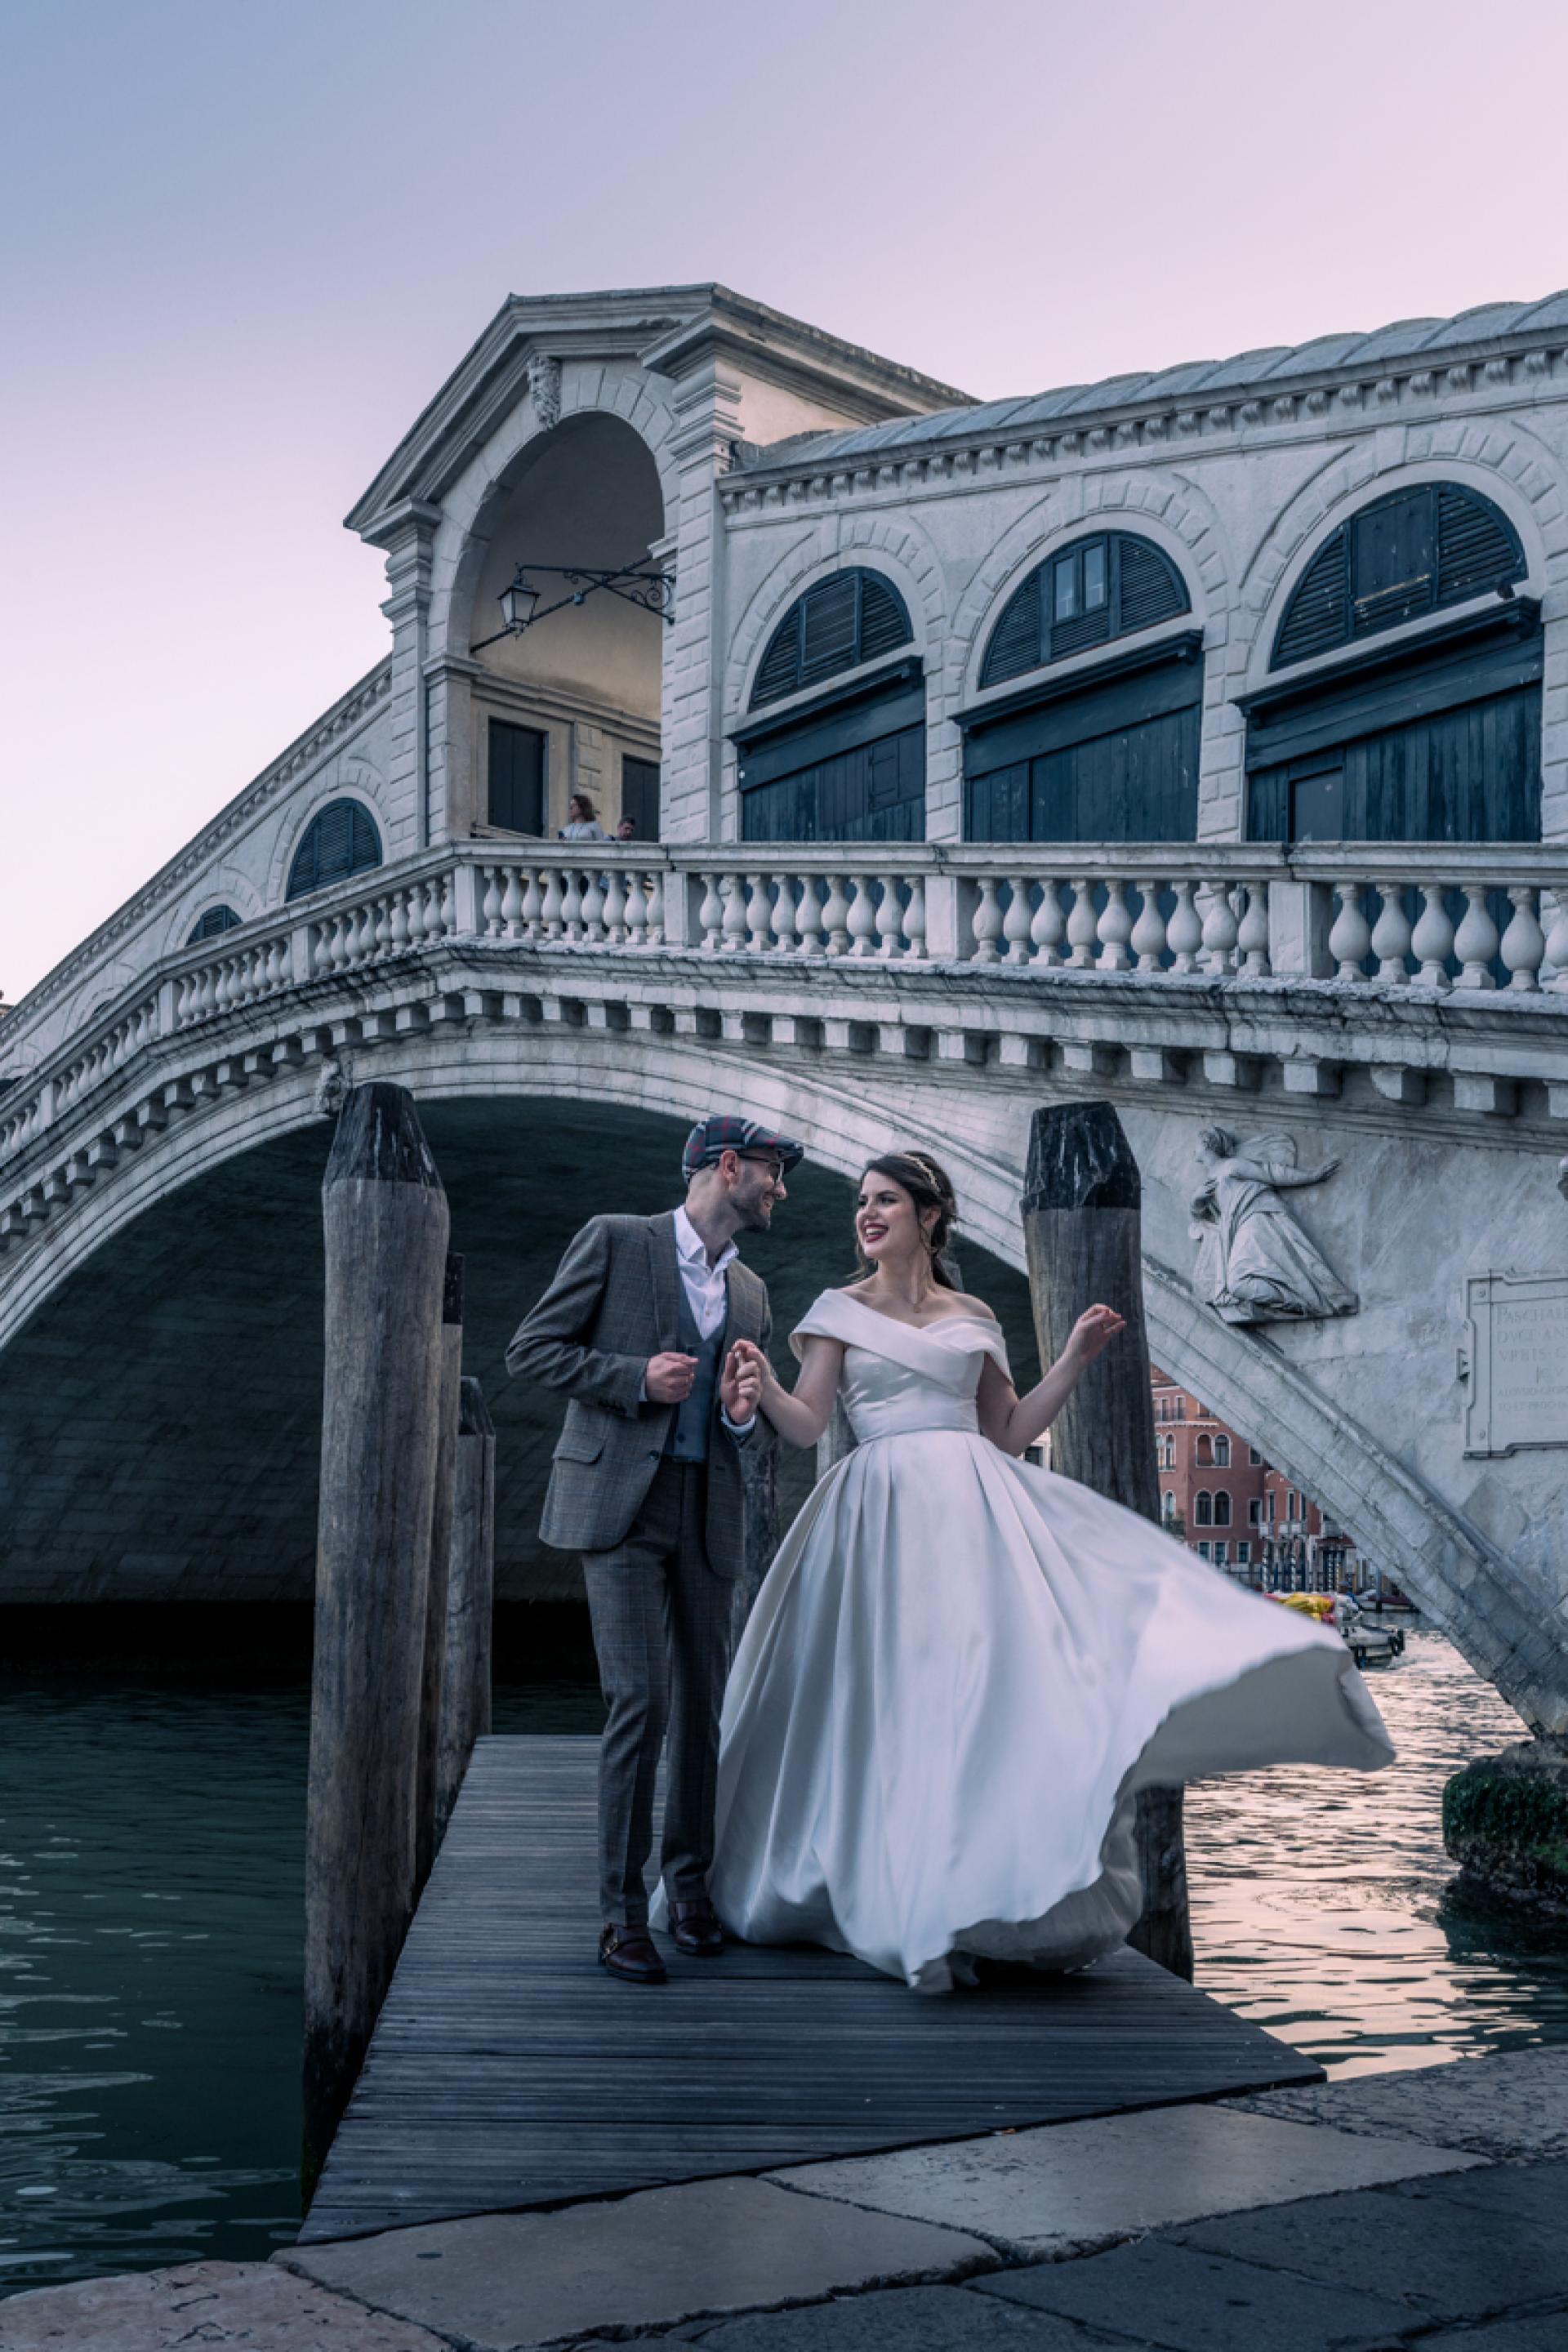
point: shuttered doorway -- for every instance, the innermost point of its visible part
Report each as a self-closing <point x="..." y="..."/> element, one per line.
<point x="847" y="767"/>
<point x="1111" y="756"/>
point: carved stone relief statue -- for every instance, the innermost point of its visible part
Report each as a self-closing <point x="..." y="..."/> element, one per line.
<point x="544" y="384"/>
<point x="1255" y="1263"/>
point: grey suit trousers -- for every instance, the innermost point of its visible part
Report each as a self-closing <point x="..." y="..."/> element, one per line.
<point x="661" y="1623"/>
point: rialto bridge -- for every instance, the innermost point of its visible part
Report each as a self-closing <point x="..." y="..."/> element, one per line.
<point x="951" y="801"/>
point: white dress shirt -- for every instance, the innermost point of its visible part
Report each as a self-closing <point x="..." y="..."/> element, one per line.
<point x="707" y="1295"/>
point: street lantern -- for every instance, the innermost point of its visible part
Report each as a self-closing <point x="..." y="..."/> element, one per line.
<point x="518" y="602"/>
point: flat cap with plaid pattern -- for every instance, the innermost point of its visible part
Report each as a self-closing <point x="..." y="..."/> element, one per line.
<point x="712" y="1138"/>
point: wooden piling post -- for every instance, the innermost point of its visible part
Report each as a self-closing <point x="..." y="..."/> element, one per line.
<point x="470" y="1602"/>
<point x="386" y="1223"/>
<point x="1082" y="1228"/>
<point x="427" y="1834"/>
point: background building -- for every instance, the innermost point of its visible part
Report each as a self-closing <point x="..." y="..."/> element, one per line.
<point x="1220" y="1496"/>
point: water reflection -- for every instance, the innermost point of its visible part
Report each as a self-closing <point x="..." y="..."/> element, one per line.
<point x="1318" y="1898"/>
<point x="151" y="1851"/>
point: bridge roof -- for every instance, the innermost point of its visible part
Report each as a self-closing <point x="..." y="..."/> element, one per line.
<point x="1485" y="332"/>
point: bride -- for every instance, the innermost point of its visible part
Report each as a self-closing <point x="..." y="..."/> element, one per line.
<point x="960" y="1669"/>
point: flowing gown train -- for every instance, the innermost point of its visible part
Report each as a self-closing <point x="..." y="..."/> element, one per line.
<point x="959" y="1671"/>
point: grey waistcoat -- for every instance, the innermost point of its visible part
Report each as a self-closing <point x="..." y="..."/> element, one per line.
<point x="692" y="1424"/>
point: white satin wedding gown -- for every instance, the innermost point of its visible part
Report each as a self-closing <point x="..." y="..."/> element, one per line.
<point x="959" y="1671"/>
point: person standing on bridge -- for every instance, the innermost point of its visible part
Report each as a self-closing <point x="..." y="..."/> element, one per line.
<point x="640" y="1328"/>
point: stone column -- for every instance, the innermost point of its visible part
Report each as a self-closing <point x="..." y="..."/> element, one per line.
<point x="707" y="421"/>
<point x="407" y="535"/>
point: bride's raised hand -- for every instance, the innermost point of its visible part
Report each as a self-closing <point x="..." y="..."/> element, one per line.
<point x="1094" y="1332"/>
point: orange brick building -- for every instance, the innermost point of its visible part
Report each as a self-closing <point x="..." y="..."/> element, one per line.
<point x="1226" y="1503"/>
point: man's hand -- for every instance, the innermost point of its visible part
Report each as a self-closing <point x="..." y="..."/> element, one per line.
<point x="668" y="1379"/>
<point x="741" y="1382"/>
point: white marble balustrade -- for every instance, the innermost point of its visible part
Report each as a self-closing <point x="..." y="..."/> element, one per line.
<point x="1441" y="931"/>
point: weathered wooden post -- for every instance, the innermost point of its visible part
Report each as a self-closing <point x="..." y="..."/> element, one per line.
<point x="427" y="1834"/>
<point x="470" y="1602"/>
<point x="1082" y="1229"/>
<point x="386" y="1224"/>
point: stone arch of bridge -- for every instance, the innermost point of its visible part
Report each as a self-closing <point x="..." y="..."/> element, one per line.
<point x="1422" y="1542"/>
<point x="475" y="502"/>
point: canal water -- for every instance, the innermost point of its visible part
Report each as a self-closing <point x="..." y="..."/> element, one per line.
<point x="150" y="1944"/>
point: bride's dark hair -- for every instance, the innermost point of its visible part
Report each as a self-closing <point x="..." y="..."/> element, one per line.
<point x="929" y="1186"/>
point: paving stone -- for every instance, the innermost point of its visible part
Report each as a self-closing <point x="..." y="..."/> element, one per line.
<point x="207" y="2304"/>
<point x="1068" y="2188"/>
<point x="1445" y="2257"/>
<point x="714" y="2247"/>
<point x="1172" y="2296"/>
<point x="910" y="2319"/>
<point x="1515" y="2103"/>
<point x="1526" y="2193"/>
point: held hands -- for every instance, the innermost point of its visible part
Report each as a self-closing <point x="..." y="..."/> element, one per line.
<point x="1093" y="1333"/>
<point x="740" y="1384"/>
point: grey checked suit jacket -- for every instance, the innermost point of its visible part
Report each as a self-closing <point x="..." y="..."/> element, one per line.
<point x="614" y="1302"/>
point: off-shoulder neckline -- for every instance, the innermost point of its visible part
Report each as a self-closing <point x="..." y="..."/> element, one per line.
<point x="986" y="1322"/>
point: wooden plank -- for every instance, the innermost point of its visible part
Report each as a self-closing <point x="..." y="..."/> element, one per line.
<point x="509" y="2070"/>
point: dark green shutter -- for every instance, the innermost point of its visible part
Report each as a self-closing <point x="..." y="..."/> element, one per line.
<point x="516" y="779"/>
<point x="853" y="617"/>
<point x="1144" y="588"/>
<point x="640" y="796"/>
<point x="340" y="840"/>
<point x="1405" y="555"/>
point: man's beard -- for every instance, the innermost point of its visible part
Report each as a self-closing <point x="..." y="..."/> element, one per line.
<point x="757" y="1216"/>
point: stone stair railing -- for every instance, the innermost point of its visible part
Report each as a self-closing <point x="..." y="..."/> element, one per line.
<point x="1403" y="916"/>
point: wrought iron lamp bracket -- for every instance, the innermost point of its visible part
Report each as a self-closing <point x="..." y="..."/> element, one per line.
<point x="635" y="584"/>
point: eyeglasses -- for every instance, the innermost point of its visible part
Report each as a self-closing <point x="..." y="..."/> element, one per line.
<point x="774" y="1167"/>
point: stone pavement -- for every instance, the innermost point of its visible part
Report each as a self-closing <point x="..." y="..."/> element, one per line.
<point x="1426" y="2210"/>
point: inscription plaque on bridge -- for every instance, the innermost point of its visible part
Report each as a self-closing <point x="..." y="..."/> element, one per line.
<point x="1518" y="1352"/>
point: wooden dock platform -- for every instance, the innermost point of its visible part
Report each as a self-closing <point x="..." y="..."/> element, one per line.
<point x="508" y="2070"/>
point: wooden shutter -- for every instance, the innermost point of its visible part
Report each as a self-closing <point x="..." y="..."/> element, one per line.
<point x="639" y="796"/>
<point x="1144" y="588"/>
<point x="1151" y="590"/>
<point x="853" y="617"/>
<point x="515" y="797"/>
<point x="1475" y="549"/>
<point x="340" y="840"/>
<point x="1398" y="557"/>
<point x="1016" y="643"/>
<point x="216" y="920"/>
<point x="1316" y="617"/>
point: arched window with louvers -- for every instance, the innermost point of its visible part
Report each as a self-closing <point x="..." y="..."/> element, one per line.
<point x="212" y="924"/>
<point x="1429" y="734"/>
<point x="341" y="840"/>
<point x="1106" y="750"/>
<point x="833" y="744"/>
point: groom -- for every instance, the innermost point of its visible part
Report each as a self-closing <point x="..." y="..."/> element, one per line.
<point x="638" y="1329"/>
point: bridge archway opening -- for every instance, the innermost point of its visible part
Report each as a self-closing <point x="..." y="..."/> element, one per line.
<point x="572" y="703"/>
<point x="161" y="1418"/>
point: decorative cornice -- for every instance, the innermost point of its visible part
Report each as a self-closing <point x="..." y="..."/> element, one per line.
<point x="806" y="471"/>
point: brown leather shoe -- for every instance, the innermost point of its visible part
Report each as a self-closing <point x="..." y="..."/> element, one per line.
<point x="696" y="1928"/>
<point x="631" y="1952"/>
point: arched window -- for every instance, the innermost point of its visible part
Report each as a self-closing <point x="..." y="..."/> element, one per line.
<point x="215" y="919"/>
<point x="1222" y="1452"/>
<point x="1409" y="553"/>
<point x="340" y="840"/>
<point x="1203" y="1509"/>
<point x="849" y="763"/>
<point x="1095" y="590"/>
<point x="1205" y="1453"/>
<point x="853" y="617"/>
<point x="1222" y="1509"/>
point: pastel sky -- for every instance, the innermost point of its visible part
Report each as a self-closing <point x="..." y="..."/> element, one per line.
<point x="244" y="239"/>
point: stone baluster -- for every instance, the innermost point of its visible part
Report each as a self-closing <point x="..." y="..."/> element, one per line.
<point x="1017" y="920"/>
<point x="1523" y="945"/>
<point x="555" y="903"/>
<point x="593" y="925"/>
<point x="733" y="890"/>
<point x="1252" y="933"/>
<point x="783" y="914"/>
<point x="915" y="918"/>
<point x="710" y="914"/>
<point x="571" y="904"/>
<point x="529" y="904"/>
<point x="507" y="920"/>
<point x="637" y="911"/>
<point x="447" y="886"/>
<point x="987" y="922"/>
<point x="1050" y="928"/>
<point x="808" y="915"/>
<point x="889" y="919"/>
<point x="491" y="904"/>
<point x="655" y="906"/>
<point x="1475" y="941"/>
<point x="1184" y="931"/>
<point x="1083" y="925"/>
<point x="1220" y="931"/>
<point x="835" y="916"/>
<point x="615" y="907"/>
<point x="1557" y="942"/>
<point x="398" y="943"/>
<point x="759" y="914"/>
<point x="1391" y="935"/>
<point x="1148" y="936"/>
<point x="1350" y="940"/>
<point x="380" y="939"/>
<point x="1115" y="929"/>
<point x="862" y="917"/>
<point x="1432" y="940"/>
